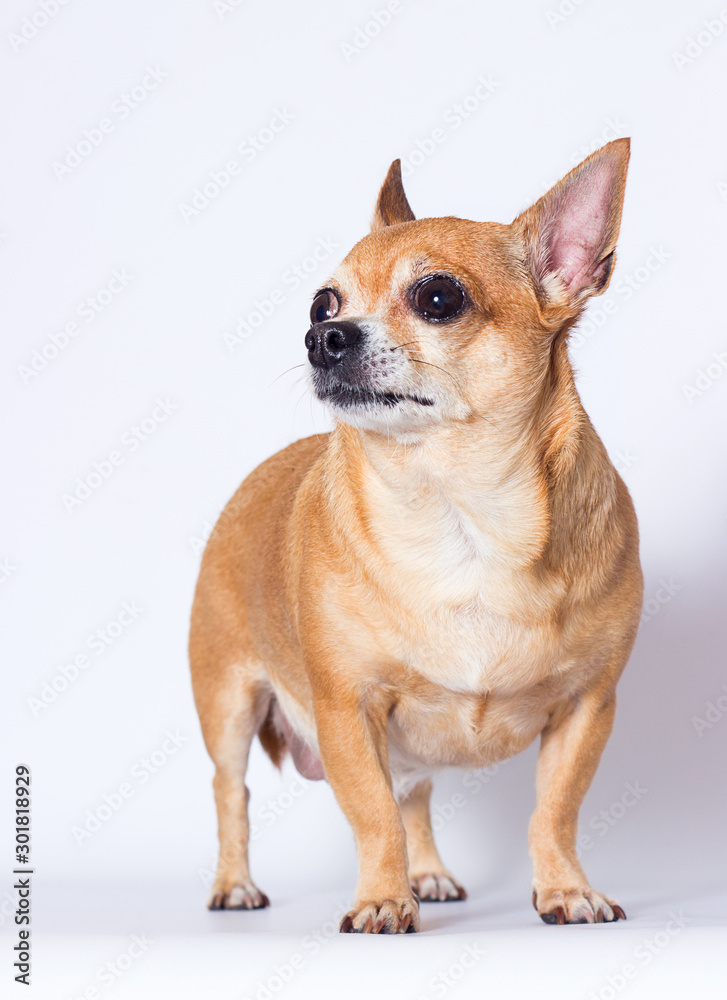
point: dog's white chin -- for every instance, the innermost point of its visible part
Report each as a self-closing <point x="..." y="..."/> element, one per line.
<point x="403" y="420"/>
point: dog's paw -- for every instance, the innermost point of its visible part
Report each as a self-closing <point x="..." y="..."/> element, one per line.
<point x="437" y="887"/>
<point x="241" y="896"/>
<point x="581" y="905"/>
<point x="382" y="916"/>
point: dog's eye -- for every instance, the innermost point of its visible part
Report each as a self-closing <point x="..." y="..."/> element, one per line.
<point x="325" y="306"/>
<point x="438" y="298"/>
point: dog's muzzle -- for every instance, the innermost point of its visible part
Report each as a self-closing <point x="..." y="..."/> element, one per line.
<point x="333" y="343"/>
<point x="342" y="371"/>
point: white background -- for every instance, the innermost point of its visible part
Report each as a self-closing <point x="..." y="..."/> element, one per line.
<point x="563" y="86"/>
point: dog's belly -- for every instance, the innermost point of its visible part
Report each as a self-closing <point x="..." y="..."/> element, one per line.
<point x="481" y="689"/>
<point x="475" y="688"/>
<point x="450" y="729"/>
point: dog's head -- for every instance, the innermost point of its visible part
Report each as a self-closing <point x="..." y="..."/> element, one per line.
<point x="432" y="321"/>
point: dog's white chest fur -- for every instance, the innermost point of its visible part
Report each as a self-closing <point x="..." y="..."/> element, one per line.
<point x="477" y="625"/>
<point x="477" y="648"/>
<point x="476" y="617"/>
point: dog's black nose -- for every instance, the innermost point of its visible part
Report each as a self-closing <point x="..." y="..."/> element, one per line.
<point x="328" y="343"/>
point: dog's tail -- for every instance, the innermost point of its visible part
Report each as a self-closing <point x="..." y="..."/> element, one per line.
<point x="278" y="738"/>
<point x="271" y="737"/>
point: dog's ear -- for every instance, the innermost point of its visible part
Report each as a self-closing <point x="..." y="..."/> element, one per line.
<point x="570" y="233"/>
<point x="391" y="206"/>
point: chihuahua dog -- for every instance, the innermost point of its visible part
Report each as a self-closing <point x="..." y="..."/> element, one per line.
<point x="449" y="573"/>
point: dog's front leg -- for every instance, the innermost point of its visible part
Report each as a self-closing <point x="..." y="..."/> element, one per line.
<point x="352" y="740"/>
<point x="570" y="749"/>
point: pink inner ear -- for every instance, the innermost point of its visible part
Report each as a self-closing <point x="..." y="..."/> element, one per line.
<point x="580" y="219"/>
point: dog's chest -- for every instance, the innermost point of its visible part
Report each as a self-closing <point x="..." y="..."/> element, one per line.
<point x="477" y="648"/>
<point x="466" y="607"/>
<point x="478" y="624"/>
<point x="488" y="654"/>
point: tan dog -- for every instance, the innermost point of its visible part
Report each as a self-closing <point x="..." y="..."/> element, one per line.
<point x="450" y="572"/>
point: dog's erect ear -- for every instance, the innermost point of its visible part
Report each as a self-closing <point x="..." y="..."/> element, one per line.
<point x="570" y="233"/>
<point x="391" y="206"/>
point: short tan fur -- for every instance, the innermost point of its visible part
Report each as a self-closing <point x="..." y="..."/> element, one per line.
<point x="451" y="572"/>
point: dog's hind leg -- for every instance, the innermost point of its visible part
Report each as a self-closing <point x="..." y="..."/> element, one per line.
<point x="232" y="696"/>
<point x="429" y="878"/>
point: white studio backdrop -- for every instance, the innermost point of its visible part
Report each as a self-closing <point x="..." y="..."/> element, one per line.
<point x="177" y="178"/>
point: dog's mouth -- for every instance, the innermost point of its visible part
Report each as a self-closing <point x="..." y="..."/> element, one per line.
<point x="348" y="396"/>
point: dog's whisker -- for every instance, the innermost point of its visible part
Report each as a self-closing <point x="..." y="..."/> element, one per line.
<point x="418" y="361"/>
<point x="302" y="396"/>
<point x="298" y="382"/>
<point x="292" y="368"/>
<point x="391" y="457"/>
<point x="313" y="418"/>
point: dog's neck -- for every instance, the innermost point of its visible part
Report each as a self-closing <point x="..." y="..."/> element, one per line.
<point x="488" y="482"/>
<point x="490" y="486"/>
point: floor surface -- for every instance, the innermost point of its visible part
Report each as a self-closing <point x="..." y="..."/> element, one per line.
<point x="138" y="941"/>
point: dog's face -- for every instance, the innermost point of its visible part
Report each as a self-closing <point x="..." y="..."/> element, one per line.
<point x="415" y="327"/>
<point x="434" y="321"/>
